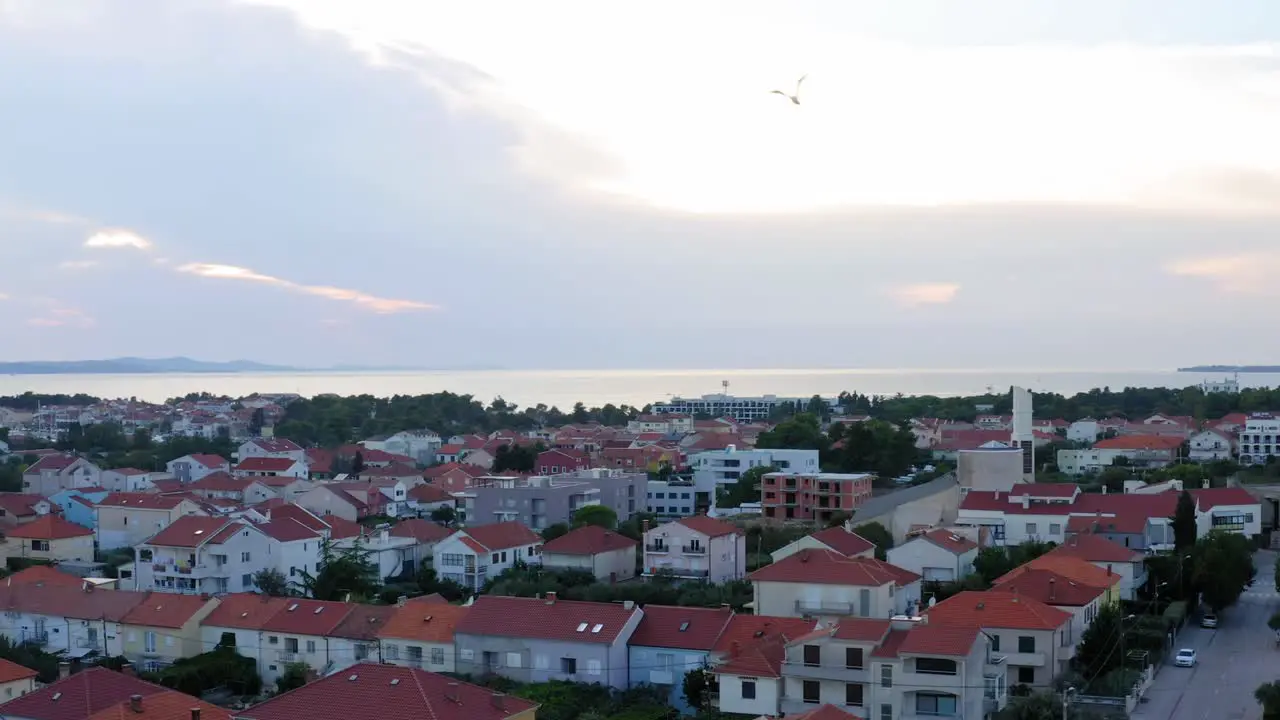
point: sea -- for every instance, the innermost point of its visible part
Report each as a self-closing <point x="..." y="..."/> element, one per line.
<point x="563" y="388"/>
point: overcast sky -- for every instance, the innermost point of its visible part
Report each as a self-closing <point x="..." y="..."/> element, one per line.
<point x="1054" y="183"/>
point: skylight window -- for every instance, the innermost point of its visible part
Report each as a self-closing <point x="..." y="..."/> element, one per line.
<point x="319" y="609"/>
<point x="582" y="627"/>
<point x="684" y="626"/>
<point x="598" y="627"/>
<point x="293" y="607"/>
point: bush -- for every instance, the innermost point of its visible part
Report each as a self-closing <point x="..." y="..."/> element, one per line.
<point x="1176" y="614"/>
<point x="221" y="667"/>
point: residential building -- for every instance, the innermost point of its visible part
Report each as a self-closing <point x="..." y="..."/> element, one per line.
<point x="19" y="508"/>
<point x="813" y="496"/>
<point x="747" y="663"/>
<point x="1034" y="639"/>
<point x="1082" y="600"/>
<point x="190" y="468"/>
<point x="824" y="584"/>
<point x="1210" y="445"/>
<point x="367" y="691"/>
<point x="126" y="519"/>
<point x="355" y="639"/>
<point x="1109" y="556"/>
<point x="473" y="555"/>
<point x="1141" y="451"/>
<point x="715" y="468"/>
<point x="271" y="447"/>
<point x="896" y="668"/>
<point x="938" y="555"/>
<point x="301" y="633"/>
<point x="452" y="477"/>
<point x="671" y="642"/>
<point x="1084" y="431"/>
<point x="129" y="480"/>
<point x="421" y="445"/>
<point x="15" y="680"/>
<point x="49" y="538"/>
<point x="1260" y="439"/>
<point x="666" y="423"/>
<point x="1230" y="509"/>
<point x="101" y="694"/>
<point x="674" y="498"/>
<point x="742" y="409"/>
<point x="73" y="620"/>
<point x="422" y="500"/>
<point x="608" y="556"/>
<point x="556" y="461"/>
<point x="837" y="539"/>
<point x="419" y="634"/>
<point x="425" y="534"/>
<point x="540" y="640"/>
<point x="55" y="472"/>
<point x="696" y="547"/>
<point x="391" y="554"/>
<point x="272" y="467"/>
<point x="331" y="499"/>
<point x="164" y="627"/>
<point x="542" y="501"/>
<point x="77" y="505"/>
<point x="237" y="622"/>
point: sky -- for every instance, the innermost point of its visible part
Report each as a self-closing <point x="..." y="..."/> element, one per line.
<point x="1088" y="184"/>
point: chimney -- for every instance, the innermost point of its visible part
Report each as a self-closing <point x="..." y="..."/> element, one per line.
<point x="400" y="601"/>
<point x="64" y="670"/>
<point x="628" y="604"/>
<point x="135" y="703"/>
<point x="451" y="692"/>
<point x="1053" y="589"/>
<point x="644" y="527"/>
<point x="127" y="669"/>
<point x="195" y="713"/>
<point x="499" y="701"/>
<point x="551" y="598"/>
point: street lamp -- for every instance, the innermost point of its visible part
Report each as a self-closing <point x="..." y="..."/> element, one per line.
<point x="1067" y="694"/>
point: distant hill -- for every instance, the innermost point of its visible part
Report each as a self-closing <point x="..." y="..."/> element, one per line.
<point x="1232" y="368"/>
<point x="133" y="365"/>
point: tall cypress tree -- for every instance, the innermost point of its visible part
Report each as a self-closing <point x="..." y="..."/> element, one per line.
<point x="1184" y="522"/>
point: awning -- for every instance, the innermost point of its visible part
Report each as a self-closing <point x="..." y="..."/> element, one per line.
<point x="79" y="652"/>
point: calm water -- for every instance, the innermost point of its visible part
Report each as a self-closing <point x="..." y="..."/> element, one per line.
<point x="596" y="387"/>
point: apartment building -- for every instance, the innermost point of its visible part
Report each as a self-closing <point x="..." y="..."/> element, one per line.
<point x="473" y="555"/>
<point x="1260" y="439"/>
<point x="813" y="496"/>
<point x="696" y="547"/>
<point x="126" y="519"/>
<point x="541" y="501"/>
<point x="55" y="472"/>
<point x="714" y="468"/>
<point x="1034" y="639"/>
<point x="823" y="584"/>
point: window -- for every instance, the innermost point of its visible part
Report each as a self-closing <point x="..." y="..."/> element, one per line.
<point x="244" y="556"/>
<point x="812" y="691"/>
<point x="593" y="667"/>
<point x="935" y="704"/>
<point x="437" y="656"/>
<point x="1026" y="644"/>
<point x="293" y="571"/>
<point x="853" y="694"/>
<point x="666" y="661"/>
<point x="513" y="660"/>
<point x="40" y="545"/>
<point x="391" y="652"/>
<point x="362" y="651"/>
<point x="886" y="712"/>
<point x="812" y="656"/>
<point x="228" y="639"/>
<point x="291" y="645"/>
<point x="529" y="550"/>
<point x="494" y="559"/>
<point x="1055" y="529"/>
<point x="246" y="581"/>
<point x="453" y="559"/>
<point x="853" y="658"/>
<point x="995" y="643"/>
<point x="1027" y="675"/>
<point x="311" y="646"/>
<point x="935" y="666"/>
<point x="568" y="666"/>
<point x="886" y="676"/>
<point x="149" y="641"/>
<point x="748" y="689"/>
<point x="504" y="556"/>
<point x="1031" y="528"/>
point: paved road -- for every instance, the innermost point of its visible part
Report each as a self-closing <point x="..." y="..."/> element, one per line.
<point x="1234" y="660"/>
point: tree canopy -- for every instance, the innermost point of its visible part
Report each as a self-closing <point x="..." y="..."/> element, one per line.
<point x="877" y="535"/>
<point x="1184" y="522"/>
<point x="343" y="571"/>
<point x="601" y="515"/>
<point x="1223" y="567"/>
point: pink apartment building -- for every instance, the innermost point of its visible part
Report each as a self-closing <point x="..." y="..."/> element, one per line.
<point x="813" y="496"/>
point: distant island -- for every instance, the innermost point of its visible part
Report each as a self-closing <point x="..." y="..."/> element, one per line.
<point x="1232" y="369"/>
<point x="134" y="366"/>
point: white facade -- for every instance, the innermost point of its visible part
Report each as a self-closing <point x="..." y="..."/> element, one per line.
<point x="1089" y="461"/>
<point x="828" y="600"/>
<point x="456" y="558"/>
<point x="742" y="409"/>
<point x="58" y="634"/>
<point x="1244" y="519"/>
<point x="1085" y="431"/>
<point x="1260" y="439"/>
<point x="607" y="566"/>
<point x="752" y="696"/>
<point x="224" y="566"/>
<point x="188" y="469"/>
<point x="386" y="551"/>
<point x="671" y="499"/>
<point x="128" y="480"/>
<point x="421" y="445"/>
<point x="263" y="448"/>
<point x="1209" y="445"/>
<point x="931" y="561"/>
<point x="724" y="467"/>
<point x="685" y="552"/>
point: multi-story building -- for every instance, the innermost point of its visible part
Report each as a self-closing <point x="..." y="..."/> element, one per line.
<point x="271" y="447"/>
<point x="1143" y="451"/>
<point x="937" y="555"/>
<point x="56" y="472"/>
<point x="1260" y="439"/>
<point x="608" y="556"/>
<point x="1211" y="444"/>
<point x="820" y="583"/>
<point x="1035" y="640"/>
<point x="671" y="423"/>
<point x="715" y="468"/>
<point x="49" y="538"/>
<point x="742" y="409"/>
<point x="190" y="468"/>
<point x="696" y="547"/>
<point x="671" y="642"/>
<point x="126" y="519"/>
<point x="419" y="634"/>
<point x="813" y="496"/>
<point x="473" y="555"/>
<point x="675" y="498"/>
<point x="541" y="501"/>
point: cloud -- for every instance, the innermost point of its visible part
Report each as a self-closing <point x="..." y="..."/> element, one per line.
<point x="1249" y="273"/>
<point x="380" y="305"/>
<point x="57" y="314"/>
<point x="77" y="264"/>
<point x="918" y="294"/>
<point x="117" y="238"/>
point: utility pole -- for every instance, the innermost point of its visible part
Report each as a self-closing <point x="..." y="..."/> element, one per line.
<point x="1067" y="694"/>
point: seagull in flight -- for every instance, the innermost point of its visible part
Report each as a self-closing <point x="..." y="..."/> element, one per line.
<point x="793" y="97"/>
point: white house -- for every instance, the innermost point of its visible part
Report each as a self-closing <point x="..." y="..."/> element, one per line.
<point x="1110" y="556"/>
<point x="73" y="620"/>
<point x="271" y="447"/>
<point x="1208" y="445"/>
<point x="1085" y="430"/>
<point x="390" y="553"/>
<point x="421" y="445"/>
<point x="272" y="467"/>
<point x="300" y="633"/>
<point x="696" y="547"/>
<point x="419" y="634"/>
<point x="237" y="622"/>
<point x="714" y="468"/>
<point x="190" y="468"/>
<point x="1227" y="509"/>
<point x="825" y="584"/>
<point x="1260" y="439"/>
<point x="128" y="480"/>
<point x="608" y="556"/>
<point x="938" y="555"/>
<point x="473" y="555"/>
<point x="54" y="473"/>
<point x="837" y="539"/>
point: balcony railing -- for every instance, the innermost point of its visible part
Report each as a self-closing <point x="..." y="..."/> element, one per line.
<point x="656" y="548"/>
<point x="286" y="656"/>
<point x="824" y="608"/>
<point x="693" y="550"/>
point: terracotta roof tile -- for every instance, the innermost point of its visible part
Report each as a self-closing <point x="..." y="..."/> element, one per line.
<point x="1045" y="490"/>
<point x="588" y="540"/>
<point x="167" y="705"/>
<point x="1140" y="442"/>
<point x="21" y="504"/>
<point x="45" y="575"/>
<point x="843" y="541"/>
<point x="994" y="609"/>
<point x="188" y="531"/>
<point x="1095" y="548"/>
<point x="81" y="695"/>
<point x="302" y="616"/>
<point x="264" y="464"/>
<point x="1209" y="498"/>
<point x="862" y="629"/>
<point x="48" y="527"/>
<point x="532" y="618"/>
<point x="167" y="610"/>
<point x="747" y="629"/>
<point x="951" y="542"/>
<point x="287" y="530"/>
<point x="145" y="501"/>
<point x="210" y="461"/>
<point x="827" y="567"/>
<point x="762" y="659"/>
<point x="423" y="619"/>
<point x="364" y="622"/>
<point x="222" y="481"/>
<point x="1081" y="571"/>
<point x="503" y="535"/>
<point x="276" y="445"/>
<point x="428" y="493"/>
<point x="684" y="628"/>
<point x="244" y="611"/>
<point x="709" y="526"/>
<point x="424" y="531"/>
<point x="387" y="692"/>
<point x="71" y="602"/>
<point x="11" y="671"/>
<point x="825" y="712"/>
<point x="1050" y="588"/>
<point x="890" y="646"/>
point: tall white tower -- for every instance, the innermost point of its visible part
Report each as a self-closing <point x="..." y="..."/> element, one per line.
<point x="1023" y="435"/>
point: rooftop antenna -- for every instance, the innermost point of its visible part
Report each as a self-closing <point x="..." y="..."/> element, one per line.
<point x="724" y="388"/>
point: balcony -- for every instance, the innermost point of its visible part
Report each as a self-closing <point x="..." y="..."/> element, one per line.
<point x="830" y="671"/>
<point x="1031" y="659"/>
<point x="656" y="548"/>
<point x="693" y="550"/>
<point x="810" y="607"/>
<point x="661" y="677"/>
<point x="286" y="656"/>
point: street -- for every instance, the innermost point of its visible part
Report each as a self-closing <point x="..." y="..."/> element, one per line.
<point x="1233" y="660"/>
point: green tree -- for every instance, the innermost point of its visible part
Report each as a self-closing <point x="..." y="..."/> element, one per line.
<point x="1277" y="573"/>
<point x="551" y="532"/>
<point x="515" y="458"/>
<point x="1114" y="477"/>
<point x="876" y="446"/>
<point x="1097" y="653"/>
<point x="877" y="535"/>
<point x="1274" y="621"/>
<point x="1223" y="568"/>
<point x="601" y="515"/>
<point x="344" y="572"/>
<point x="801" y="431"/>
<point x="357" y="463"/>
<point x="1268" y="696"/>
<point x="444" y="515"/>
<point x="1184" y="522"/>
<point x="271" y="581"/>
<point x="695" y="686"/>
<point x="746" y="490"/>
<point x="991" y="563"/>
<point x="256" y="422"/>
<point x="293" y="677"/>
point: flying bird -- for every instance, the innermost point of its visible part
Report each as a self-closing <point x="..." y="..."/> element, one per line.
<point x="793" y="97"/>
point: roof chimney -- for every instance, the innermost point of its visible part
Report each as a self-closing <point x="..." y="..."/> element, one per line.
<point x="628" y="604"/>
<point x="64" y="670"/>
<point x="551" y="598"/>
<point x="1053" y="589"/>
<point x="135" y="703"/>
<point x="400" y="601"/>
<point x="127" y="669"/>
<point x="451" y="692"/>
<point x="195" y="713"/>
<point x="499" y="701"/>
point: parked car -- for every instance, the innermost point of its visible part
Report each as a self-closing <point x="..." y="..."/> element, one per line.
<point x="1209" y="621"/>
<point x="1186" y="657"/>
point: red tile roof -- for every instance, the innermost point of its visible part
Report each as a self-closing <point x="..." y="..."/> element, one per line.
<point x="49" y="527"/>
<point x="364" y="622"/>
<point x="287" y="530"/>
<point x="222" y="481"/>
<point x="862" y="629"/>
<point x="994" y="501"/>
<point x="825" y="712"/>
<point x="265" y="464"/>
<point x="188" y="531"/>
<point x="994" y="609"/>
<point x="301" y="514"/>
<point x="503" y="535"/>
<point x="45" y="575"/>
<point x="1209" y="498"/>
<point x="71" y="602"/>
<point x="424" y="531"/>
<point x="61" y="461"/>
<point x="428" y="493"/>
<point x="82" y="695"/>
<point x="387" y="692"/>
<point x="276" y="445"/>
<point x="939" y="639"/>
<point x="1139" y="442"/>
<point x="532" y="618"/>
<point x="827" y="567"/>
<point x="744" y="630"/>
<point x="244" y="611"/>
<point x="762" y="659"/>
<point x="210" y="461"/>
<point x="709" y="526"/>
<point x="1045" y="490"/>
<point x="588" y="540"/>
<point x="1096" y="548"/>
<point x="21" y="504"/>
<point x="1081" y="571"/>
<point x="951" y="542"/>
<point x="167" y="610"/>
<point x="166" y="705"/>
<point x="425" y="620"/>
<point x="11" y="671"/>
<point x="145" y="501"/>
<point x="843" y="541"/>
<point x="683" y="628"/>
<point x="394" y="470"/>
<point x="302" y="616"/>
<point x="1049" y="587"/>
